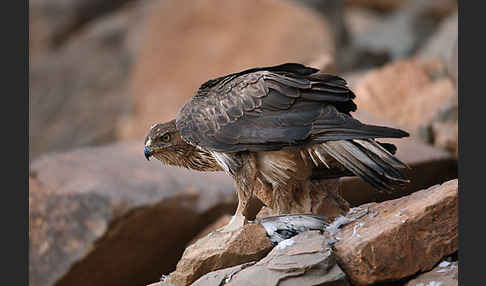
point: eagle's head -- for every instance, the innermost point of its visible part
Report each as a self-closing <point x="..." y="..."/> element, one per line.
<point x="164" y="143"/>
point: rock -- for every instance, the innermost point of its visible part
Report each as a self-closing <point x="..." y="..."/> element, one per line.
<point x="306" y="259"/>
<point x="78" y="88"/>
<point x="332" y="11"/>
<point x="220" y="250"/>
<point x="379" y="242"/>
<point x="444" y="274"/>
<point x="106" y="216"/>
<point x="416" y="95"/>
<point x="443" y="44"/>
<point x="187" y="43"/>
<point x="406" y="92"/>
<point x="442" y="131"/>
<point x="396" y="35"/>
<point x="400" y="237"/>
<point x="360" y="20"/>
<point x="219" y="223"/>
<point x="52" y="22"/>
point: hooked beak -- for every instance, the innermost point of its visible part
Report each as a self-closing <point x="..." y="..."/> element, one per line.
<point x="148" y="151"/>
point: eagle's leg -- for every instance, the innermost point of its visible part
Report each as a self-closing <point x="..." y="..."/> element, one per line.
<point x="245" y="180"/>
<point x="239" y="218"/>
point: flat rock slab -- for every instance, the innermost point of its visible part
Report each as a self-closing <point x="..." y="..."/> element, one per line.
<point x="107" y="216"/>
<point x="400" y="237"/>
<point x="305" y="259"/>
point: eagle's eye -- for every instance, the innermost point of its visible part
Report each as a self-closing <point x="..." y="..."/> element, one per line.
<point x="165" y="138"/>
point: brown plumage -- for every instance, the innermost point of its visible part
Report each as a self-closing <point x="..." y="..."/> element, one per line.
<point x="274" y="129"/>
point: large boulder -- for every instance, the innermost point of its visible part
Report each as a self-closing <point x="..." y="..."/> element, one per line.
<point x="189" y="42"/>
<point x="400" y="237"/>
<point x="106" y="216"/>
<point x="416" y="94"/>
<point x="406" y="92"/>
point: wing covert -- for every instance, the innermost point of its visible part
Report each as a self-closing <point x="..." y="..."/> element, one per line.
<point x="273" y="108"/>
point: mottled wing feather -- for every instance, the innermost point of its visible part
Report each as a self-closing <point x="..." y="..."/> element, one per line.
<point x="271" y="109"/>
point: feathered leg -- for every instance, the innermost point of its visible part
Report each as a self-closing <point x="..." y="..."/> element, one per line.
<point x="245" y="179"/>
<point x="239" y="218"/>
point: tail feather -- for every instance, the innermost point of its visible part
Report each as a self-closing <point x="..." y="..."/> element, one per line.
<point x="377" y="149"/>
<point x="368" y="160"/>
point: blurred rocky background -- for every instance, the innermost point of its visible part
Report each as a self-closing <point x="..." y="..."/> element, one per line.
<point x="102" y="72"/>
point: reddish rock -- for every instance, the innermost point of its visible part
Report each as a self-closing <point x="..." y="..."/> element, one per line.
<point x="187" y="43"/>
<point x="107" y="216"/>
<point x="400" y="237"/>
<point x="220" y="250"/>
<point x="406" y="92"/>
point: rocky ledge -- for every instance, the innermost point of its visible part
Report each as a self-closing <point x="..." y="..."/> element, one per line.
<point x="391" y="241"/>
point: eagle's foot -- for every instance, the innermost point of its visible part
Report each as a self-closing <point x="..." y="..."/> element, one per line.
<point x="236" y="222"/>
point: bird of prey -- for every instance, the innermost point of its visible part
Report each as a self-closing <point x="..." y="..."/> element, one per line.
<point x="272" y="129"/>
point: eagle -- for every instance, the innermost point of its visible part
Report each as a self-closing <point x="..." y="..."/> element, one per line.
<point x="272" y="129"/>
